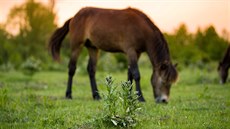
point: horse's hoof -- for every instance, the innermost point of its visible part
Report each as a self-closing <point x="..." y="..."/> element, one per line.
<point x="96" y="97"/>
<point x="68" y="96"/>
<point x="141" y="99"/>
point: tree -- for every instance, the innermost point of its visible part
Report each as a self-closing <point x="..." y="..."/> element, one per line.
<point x="34" y="23"/>
<point x="210" y="43"/>
<point x="201" y="47"/>
<point x="3" y="39"/>
<point x="182" y="35"/>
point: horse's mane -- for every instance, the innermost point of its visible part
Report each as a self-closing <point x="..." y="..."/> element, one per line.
<point x="226" y="59"/>
<point x="161" y="48"/>
<point x="161" y="44"/>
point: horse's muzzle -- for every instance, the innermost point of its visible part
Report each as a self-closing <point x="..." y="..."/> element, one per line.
<point x="162" y="99"/>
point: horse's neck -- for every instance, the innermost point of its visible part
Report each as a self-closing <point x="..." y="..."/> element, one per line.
<point x="158" y="50"/>
<point x="226" y="60"/>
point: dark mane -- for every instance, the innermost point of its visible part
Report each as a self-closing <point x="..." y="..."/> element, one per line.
<point x="161" y="46"/>
<point x="226" y="60"/>
<point x="224" y="66"/>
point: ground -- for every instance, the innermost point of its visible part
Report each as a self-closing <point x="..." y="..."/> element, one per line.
<point x="197" y="100"/>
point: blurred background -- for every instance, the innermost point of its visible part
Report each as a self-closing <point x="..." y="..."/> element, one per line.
<point x="197" y="32"/>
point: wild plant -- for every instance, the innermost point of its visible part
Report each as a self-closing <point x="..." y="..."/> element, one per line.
<point x="121" y="106"/>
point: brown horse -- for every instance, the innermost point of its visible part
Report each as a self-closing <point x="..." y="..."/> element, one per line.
<point x="128" y="31"/>
<point x="224" y="66"/>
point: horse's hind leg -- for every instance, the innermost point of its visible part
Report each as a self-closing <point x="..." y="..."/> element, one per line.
<point x="72" y="67"/>
<point x="91" y="68"/>
<point x="134" y="71"/>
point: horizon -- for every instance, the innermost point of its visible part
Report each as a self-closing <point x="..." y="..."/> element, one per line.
<point x="167" y="15"/>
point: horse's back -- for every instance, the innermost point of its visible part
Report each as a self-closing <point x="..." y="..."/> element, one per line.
<point x="111" y="30"/>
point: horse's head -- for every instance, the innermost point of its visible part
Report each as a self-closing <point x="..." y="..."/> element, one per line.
<point x="164" y="75"/>
<point x="223" y="72"/>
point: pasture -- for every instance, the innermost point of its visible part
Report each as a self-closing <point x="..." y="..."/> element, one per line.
<point x="197" y="100"/>
<point x="33" y="87"/>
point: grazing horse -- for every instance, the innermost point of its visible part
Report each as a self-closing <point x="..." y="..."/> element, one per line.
<point x="128" y="31"/>
<point x="224" y="66"/>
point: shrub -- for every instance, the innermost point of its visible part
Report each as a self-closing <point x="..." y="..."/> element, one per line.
<point x="6" y="67"/>
<point x="31" y="66"/>
<point x="121" y="107"/>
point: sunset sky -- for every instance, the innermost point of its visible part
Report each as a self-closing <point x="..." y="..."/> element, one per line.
<point x="166" y="14"/>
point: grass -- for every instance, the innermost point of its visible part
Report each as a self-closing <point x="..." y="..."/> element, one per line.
<point x="197" y="101"/>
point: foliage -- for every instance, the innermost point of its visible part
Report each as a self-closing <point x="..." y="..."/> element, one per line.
<point x="107" y="60"/>
<point x="120" y="107"/>
<point x="3" y="39"/>
<point x="198" y="48"/>
<point x="30" y="25"/>
<point x="121" y="61"/>
<point x="111" y="98"/>
<point x="31" y="66"/>
<point x="6" y="67"/>
<point x="209" y="42"/>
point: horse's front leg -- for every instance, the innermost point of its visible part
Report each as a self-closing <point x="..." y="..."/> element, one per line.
<point x="134" y="71"/>
<point x="130" y="76"/>
<point x="91" y="68"/>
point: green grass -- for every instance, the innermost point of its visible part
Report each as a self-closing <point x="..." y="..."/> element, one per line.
<point x="197" y="101"/>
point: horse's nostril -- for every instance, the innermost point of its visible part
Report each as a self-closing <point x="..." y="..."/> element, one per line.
<point x="164" y="101"/>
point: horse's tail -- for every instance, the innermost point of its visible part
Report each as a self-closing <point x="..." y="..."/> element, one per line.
<point x="56" y="40"/>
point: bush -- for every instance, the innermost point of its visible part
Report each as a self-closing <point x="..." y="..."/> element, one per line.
<point x="121" y="107"/>
<point x="30" y="66"/>
<point x="6" y="67"/>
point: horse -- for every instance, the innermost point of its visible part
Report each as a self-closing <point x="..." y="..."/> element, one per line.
<point x="128" y="31"/>
<point x="223" y="66"/>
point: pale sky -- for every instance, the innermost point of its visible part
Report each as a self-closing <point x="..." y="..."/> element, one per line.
<point x="166" y="14"/>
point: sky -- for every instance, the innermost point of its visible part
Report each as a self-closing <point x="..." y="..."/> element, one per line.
<point x="166" y="14"/>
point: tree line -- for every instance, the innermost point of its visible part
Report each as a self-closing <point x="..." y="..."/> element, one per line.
<point x="25" y="35"/>
<point x="201" y="47"/>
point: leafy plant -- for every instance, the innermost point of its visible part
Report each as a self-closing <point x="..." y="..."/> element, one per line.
<point x="121" y="107"/>
<point x="30" y="66"/>
<point x="6" y="67"/>
<point x="110" y="100"/>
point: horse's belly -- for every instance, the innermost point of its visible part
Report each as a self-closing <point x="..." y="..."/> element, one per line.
<point x="107" y="42"/>
<point x="107" y="46"/>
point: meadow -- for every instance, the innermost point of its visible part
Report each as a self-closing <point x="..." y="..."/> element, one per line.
<point x="36" y="99"/>
<point x="197" y="101"/>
